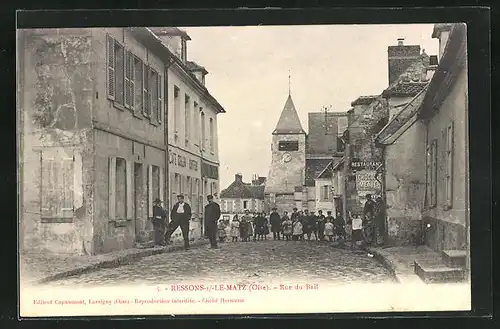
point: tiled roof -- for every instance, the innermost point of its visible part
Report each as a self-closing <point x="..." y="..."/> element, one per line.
<point x="364" y="100"/>
<point x="403" y="116"/>
<point x="409" y="88"/>
<point x="313" y="168"/>
<point x="193" y="66"/>
<point x="289" y="122"/>
<point x="321" y="139"/>
<point x="241" y="190"/>
<point x="168" y="30"/>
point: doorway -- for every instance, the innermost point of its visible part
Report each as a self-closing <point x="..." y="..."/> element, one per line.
<point x="139" y="219"/>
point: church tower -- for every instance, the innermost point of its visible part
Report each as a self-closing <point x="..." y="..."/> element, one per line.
<point x="288" y="147"/>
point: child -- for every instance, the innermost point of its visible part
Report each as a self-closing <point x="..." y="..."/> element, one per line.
<point x="297" y="230"/>
<point x="235" y="228"/>
<point x="287" y="227"/>
<point x="357" y="230"/>
<point x="329" y="229"/>
<point x="222" y="231"/>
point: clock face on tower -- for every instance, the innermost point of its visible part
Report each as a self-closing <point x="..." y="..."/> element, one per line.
<point x="287" y="157"/>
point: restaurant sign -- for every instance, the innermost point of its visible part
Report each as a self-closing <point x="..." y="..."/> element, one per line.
<point x="366" y="181"/>
<point x="362" y="165"/>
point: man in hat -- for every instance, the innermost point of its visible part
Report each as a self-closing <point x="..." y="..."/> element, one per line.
<point x="180" y="216"/>
<point x="275" y="220"/>
<point x="212" y="214"/>
<point x="158" y="222"/>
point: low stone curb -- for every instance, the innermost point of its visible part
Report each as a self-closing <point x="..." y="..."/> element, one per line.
<point x="119" y="261"/>
<point x="386" y="262"/>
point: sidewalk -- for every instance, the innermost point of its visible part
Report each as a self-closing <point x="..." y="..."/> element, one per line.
<point x="37" y="268"/>
<point x="400" y="260"/>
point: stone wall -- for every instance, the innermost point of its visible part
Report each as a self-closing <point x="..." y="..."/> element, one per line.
<point x="55" y="107"/>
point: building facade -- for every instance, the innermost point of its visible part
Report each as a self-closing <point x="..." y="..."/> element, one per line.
<point x="240" y="196"/>
<point x="429" y="136"/>
<point x="192" y="132"/>
<point x="94" y="135"/>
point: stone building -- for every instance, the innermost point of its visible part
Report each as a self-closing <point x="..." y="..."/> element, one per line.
<point x="192" y="131"/>
<point x="240" y="196"/>
<point x="409" y="72"/>
<point x="429" y="137"/>
<point x="300" y="172"/>
<point x="93" y="136"/>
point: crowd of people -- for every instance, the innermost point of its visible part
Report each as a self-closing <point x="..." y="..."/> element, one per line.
<point x="367" y="228"/>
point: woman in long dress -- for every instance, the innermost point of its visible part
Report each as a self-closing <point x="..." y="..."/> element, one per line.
<point x="235" y="228"/>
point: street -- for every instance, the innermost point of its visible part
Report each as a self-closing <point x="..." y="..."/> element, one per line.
<point x="235" y="262"/>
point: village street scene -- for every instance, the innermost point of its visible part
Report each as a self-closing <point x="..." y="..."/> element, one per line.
<point x="324" y="153"/>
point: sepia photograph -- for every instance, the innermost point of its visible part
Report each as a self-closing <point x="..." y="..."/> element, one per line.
<point x="282" y="169"/>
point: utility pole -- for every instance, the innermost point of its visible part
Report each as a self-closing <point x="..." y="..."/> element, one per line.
<point x="326" y="109"/>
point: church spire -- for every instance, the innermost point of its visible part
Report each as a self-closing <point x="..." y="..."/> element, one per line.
<point x="289" y="122"/>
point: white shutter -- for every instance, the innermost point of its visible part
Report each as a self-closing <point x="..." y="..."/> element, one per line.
<point x="66" y="187"/>
<point x="150" y="191"/>
<point x="77" y="180"/>
<point x="111" y="67"/>
<point x="112" y="188"/>
<point x="129" y="189"/>
<point x="146" y="108"/>
<point x="132" y="81"/>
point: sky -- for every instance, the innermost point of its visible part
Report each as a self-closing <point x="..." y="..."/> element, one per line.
<point x="249" y="68"/>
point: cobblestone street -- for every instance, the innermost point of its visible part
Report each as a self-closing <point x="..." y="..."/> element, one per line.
<point x="269" y="261"/>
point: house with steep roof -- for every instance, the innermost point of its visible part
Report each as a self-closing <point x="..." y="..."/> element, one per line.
<point x="240" y="196"/>
<point x="425" y="146"/>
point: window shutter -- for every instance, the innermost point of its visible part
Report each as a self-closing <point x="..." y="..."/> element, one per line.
<point x="451" y="146"/>
<point x="145" y="93"/>
<point x="132" y="80"/>
<point x="129" y="189"/>
<point x="128" y="75"/>
<point x="160" y="186"/>
<point x="77" y="180"/>
<point x="47" y="189"/>
<point x="150" y="191"/>
<point x="111" y="67"/>
<point x="66" y="187"/>
<point x="160" y="98"/>
<point x="112" y="188"/>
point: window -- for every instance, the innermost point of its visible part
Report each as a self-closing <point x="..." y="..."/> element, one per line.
<point x="120" y="189"/>
<point x="449" y="166"/>
<point x="115" y="72"/>
<point x="177" y="112"/>
<point x="211" y="131"/>
<point x="187" y="114"/>
<point x="203" y="137"/>
<point x="57" y="184"/>
<point x="245" y="204"/>
<point x="288" y="146"/>
<point x="431" y="173"/>
<point x="324" y="193"/>
<point x="137" y="85"/>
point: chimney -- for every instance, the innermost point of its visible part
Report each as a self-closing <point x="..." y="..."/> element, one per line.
<point x="238" y="178"/>
<point x="400" y="57"/>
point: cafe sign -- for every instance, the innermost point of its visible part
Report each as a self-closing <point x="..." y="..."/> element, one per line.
<point x="366" y="181"/>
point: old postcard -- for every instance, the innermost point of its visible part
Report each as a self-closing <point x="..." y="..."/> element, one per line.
<point x="243" y="170"/>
